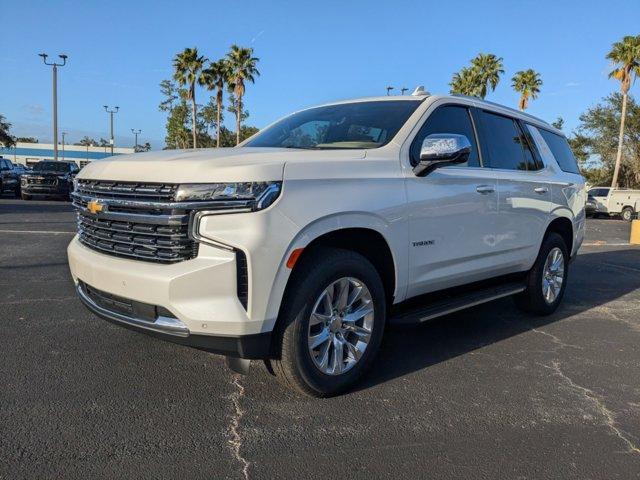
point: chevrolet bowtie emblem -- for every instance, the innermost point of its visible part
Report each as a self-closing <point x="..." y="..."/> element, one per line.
<point x="95" y="206"/>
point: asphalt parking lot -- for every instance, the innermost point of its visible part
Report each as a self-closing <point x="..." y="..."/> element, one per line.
<point x="486" y="393"/>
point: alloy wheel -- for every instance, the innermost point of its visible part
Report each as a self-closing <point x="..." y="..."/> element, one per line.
<point x="553" y="275"/>
<point x="340" y="326"/>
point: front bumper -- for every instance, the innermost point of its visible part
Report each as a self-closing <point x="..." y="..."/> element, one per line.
<point x="61" y="188"/>
<point x="173" y="330"/>
<point x="198" y="296"/>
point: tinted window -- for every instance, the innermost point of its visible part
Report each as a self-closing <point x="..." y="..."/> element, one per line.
<point x="506" y="145"/>
<point x="343" y="126"/>
<point x="448" y="119"/>
<point x="599" y="192"/>
<point x="561" y="151"/>
<point x="51" y="167"/>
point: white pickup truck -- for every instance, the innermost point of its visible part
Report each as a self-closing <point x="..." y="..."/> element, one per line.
<point x="299" y="246"/>
<point x="613" y="201"/>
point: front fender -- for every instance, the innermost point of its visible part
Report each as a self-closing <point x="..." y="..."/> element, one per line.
<point x="335" y="222"/>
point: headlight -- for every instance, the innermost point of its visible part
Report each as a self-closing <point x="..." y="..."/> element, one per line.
<point x="257" y="195"/>
<point x="61" y="177"/>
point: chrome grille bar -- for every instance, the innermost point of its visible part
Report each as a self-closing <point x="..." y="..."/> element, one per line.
<point x="139" y="221"/>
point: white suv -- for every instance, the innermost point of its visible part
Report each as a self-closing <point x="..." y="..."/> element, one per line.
<point x="299" y="246"/>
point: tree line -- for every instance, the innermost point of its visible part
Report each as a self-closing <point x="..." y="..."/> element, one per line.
<point x="607" y="141"/>
<point x="193" y="125"/>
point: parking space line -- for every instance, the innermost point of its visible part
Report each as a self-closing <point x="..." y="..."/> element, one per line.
<point x="50" y="232"/>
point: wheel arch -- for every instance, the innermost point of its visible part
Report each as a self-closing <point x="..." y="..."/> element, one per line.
<point x="563" y="226"/>
<point x="363" y="233"/>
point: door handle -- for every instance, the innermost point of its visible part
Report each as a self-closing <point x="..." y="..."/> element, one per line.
<point x="541" y="190"/>
<point x="484" y="189"/>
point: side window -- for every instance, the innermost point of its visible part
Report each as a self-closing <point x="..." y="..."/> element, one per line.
<point x="505" y="143"/>
<point x="561" y="151"/>
<point x="447" y="119"/>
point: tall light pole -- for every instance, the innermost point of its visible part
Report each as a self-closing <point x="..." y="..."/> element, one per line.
<point x="403" y="89"/>
<point x="63" y="135"/>
<point x="389" y="88"/>
<point x="111" y="112"/>
<point x="136" y="133"/>
<point x="55" y="97"/>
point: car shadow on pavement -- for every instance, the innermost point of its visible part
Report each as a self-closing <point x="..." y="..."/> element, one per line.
<point x="595" y="280"/>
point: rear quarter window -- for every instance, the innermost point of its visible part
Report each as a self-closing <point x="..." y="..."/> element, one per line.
<point x="561" y="151"/>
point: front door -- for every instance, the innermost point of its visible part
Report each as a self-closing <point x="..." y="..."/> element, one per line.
<point x="452" y="212"/>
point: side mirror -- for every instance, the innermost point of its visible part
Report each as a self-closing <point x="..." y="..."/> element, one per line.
<point x="441" y="149"/>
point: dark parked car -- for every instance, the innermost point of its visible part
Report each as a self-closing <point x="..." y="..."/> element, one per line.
<point x="9" y="177"/>
<point x="49" y="178"/>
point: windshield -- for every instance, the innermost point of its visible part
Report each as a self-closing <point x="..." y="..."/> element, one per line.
<point x="51" y="167"/>
<point x="343" y="126"/>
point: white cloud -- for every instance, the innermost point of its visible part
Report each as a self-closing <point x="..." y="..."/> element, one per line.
<point x="33" y="110"/>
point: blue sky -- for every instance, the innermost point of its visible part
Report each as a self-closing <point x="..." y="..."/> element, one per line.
<point x="310" y="52"/>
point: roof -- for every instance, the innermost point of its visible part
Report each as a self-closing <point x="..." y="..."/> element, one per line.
<point x="478" y="102"/>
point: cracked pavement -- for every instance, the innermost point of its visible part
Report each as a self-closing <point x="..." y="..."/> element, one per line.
<point x="485" y="393"/>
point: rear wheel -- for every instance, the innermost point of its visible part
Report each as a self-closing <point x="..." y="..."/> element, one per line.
<point x="547" y="279"/>
<point x="332" y="323"/>
<point x="627" y="214"/>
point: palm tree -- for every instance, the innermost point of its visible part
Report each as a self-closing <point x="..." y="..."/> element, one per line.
<point x="466" y="82"/>
<point x="188" y="71"/>
<point x="489" y="68"/>
<point x="527" y="83"/>
<point x="625" y="56"/>
<point x="242" y="68"/>
<point x="216" y="76"/>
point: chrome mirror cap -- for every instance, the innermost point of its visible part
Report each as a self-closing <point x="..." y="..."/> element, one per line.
<point x="440" y="149"/>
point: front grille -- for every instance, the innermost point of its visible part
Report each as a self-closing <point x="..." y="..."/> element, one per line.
<point x="153" y="192"/>
<point x="42" y="180"/>
<point x="138" y="221"/>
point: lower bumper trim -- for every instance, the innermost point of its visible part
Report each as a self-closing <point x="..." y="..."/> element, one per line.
<point x="252" y="347"/>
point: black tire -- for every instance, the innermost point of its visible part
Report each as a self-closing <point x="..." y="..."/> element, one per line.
<point x="293" y="365"/>
<point x="627" y="214"/>
<point x="532" y="300"/>
<point x="25" y="196"/>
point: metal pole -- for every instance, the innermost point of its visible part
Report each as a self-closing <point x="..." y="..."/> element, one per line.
<point x="55" y="112"/>
<point x="111" y="112"/>
<point x="63" y="134"/>
<point x="112" y="133"/>
<point x="55" y="97"/>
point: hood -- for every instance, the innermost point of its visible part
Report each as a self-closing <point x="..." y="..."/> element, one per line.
<point x="42" y="173"/>
<point x="206" y="165"/>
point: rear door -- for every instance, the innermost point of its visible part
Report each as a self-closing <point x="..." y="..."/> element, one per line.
<point x="524" y="192"/>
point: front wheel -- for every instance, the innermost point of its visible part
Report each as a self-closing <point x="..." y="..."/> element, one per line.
<point x="331" y="324"/>
<point x="547" y="279"/>
<point x="25" y="196"/>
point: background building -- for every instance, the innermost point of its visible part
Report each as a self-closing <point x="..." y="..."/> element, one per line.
<point x="31" y="153"/>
